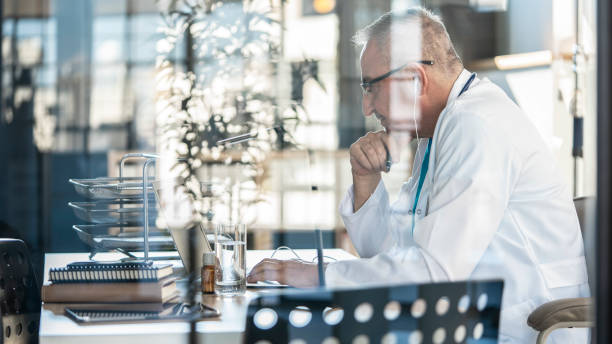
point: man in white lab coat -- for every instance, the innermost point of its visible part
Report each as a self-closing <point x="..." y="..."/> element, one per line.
<point x="485" y="199"/>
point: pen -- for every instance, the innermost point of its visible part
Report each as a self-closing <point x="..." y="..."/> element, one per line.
<point x="389" y="161"/>
<point x="237" y="139"/>
<point x="241" y="138"/>
<point x="319" y="243"/>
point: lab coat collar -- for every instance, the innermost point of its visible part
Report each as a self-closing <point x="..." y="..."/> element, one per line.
<point x="458" y="85"/>
<point x="463" y="77"/>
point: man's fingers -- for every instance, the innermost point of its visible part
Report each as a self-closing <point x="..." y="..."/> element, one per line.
<point x="381" y="139"/>
<point x="290" y="272"/>
<point x="370" y="152"/>
<point x="392" y="147"/>
<point x="267" y="270"/>
<point x="372" y="155"/>
<point x="268" y="263"/>
<point x="358" y="155"/>
<point x="379" y="145"/>
<point x="264" y="265"/>
<point x="273" y="270"/>
<point x="268" y="275"/>
<point x="358" y="168"/>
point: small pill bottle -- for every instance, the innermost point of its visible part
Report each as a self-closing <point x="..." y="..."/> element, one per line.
<point x="208" y="272"/>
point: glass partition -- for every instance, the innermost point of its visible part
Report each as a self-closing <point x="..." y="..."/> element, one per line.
<point x="289" y="116"/>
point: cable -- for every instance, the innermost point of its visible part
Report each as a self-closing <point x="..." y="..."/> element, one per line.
<point x="297" y="256"/>
<point x="414" y="107"/>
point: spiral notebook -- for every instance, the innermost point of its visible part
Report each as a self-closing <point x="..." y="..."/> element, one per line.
<point x="170" y="312"/>
<point x="80" y="272"/>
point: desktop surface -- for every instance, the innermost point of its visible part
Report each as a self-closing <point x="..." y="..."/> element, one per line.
<point x="55" y="327"/>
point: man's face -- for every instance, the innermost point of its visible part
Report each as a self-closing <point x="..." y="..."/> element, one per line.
<point x="391" y="100"/>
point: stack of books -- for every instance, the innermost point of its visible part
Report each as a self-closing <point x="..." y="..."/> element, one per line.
<point x="121" y="282"/>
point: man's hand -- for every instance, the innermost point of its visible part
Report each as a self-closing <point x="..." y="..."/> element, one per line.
<point x="368" y="157"/>
<point x="290" y="272"/>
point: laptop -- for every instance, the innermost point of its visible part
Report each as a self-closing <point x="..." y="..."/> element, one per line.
<point x="177" y="211"/>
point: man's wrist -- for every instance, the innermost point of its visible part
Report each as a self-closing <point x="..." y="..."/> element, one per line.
<point x="363" y="188"/>
<point x="369" y="181"/>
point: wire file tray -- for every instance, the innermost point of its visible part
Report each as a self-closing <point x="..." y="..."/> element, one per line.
<point x="124" y="238"/>
<point x="112" y="211"/>
<point x="121" y="204"/>
<point x="107" y="188"/>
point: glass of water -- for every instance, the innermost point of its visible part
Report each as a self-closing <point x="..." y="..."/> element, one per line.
<point x="230" y="248"/>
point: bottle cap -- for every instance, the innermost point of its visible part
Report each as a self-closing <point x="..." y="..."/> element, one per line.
<point x="208" y="258"/>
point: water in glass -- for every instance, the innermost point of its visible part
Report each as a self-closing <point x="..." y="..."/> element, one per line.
<point x="231" y="277"/>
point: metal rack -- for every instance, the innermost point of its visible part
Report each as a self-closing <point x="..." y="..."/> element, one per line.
<point x="114" y="208"/>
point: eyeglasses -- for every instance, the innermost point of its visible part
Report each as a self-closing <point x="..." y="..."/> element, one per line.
<point x="366" y="86"/>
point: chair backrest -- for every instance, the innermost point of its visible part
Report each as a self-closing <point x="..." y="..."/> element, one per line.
<point x="585" y="209"/>
<point x="456" y="312"/>
<point x="19" y="294"/>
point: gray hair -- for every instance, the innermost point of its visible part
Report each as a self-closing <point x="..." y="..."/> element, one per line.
<point x="435" y="41"/>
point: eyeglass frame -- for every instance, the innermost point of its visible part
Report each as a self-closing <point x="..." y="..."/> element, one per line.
<point x="365" y="85"/>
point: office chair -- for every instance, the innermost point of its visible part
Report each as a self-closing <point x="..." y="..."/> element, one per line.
<point x="19" y="294"/>
<point x="572" y="312"/>
<point x="456" y="312"/>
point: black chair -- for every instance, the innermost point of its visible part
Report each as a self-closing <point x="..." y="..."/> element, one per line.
<point x="458" y="312"/>
<point x="19" y="294"/>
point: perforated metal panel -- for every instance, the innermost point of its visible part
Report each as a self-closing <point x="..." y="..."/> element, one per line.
<point x="19" y="295"/>
<point x="458" y="312"/>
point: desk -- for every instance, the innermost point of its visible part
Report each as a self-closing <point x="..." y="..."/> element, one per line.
<point x="228" y="328"/>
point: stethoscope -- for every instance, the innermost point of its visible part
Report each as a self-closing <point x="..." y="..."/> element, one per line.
<point x="425" y="163"/>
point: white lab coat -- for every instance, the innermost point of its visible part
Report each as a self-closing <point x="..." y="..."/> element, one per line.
<point x="492" y="206"/>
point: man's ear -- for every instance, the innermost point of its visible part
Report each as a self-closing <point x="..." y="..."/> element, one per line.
<point x="421" y="79"/>
<point x="416" y="72"/>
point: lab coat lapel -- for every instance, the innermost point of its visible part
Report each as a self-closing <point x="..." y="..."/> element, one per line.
<point x="461" y="81"/>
